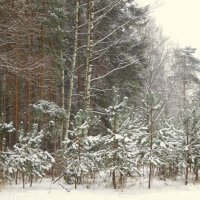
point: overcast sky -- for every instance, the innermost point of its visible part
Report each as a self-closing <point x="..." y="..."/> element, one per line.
<point x="180" y="20"/>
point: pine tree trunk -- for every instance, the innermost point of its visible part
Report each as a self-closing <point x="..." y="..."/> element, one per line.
<point x="31" y="180"/>
<point x="115" y="146"/>
<point x="16" y="177"/>
<point x="188" y="154"/>
<point x="28" y="100"/>
<point x="196" y="174"/>
<point x="151" y="145"/>
<point x="62" y="135"/>
<point x="79" y="74"/>
<point x="114" y="180"/>
<point x="16" y="108"/>
<point x="150" y="173"/>
<point x="186" y="175"/>
<point x="1" y="98"/>
<point x="63" y="82"/>
<point x="23" y="179"/>
<point x="75" y="183"/>
<point x="186" y="125"/>
<point x="121" y="180"/>
<point x="41" y="83"/>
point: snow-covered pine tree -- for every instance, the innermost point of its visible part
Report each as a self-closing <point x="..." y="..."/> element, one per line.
<point x="195" y="139"/>
<point x="167" y="143"/>
<point x="190" y="142"/>
<point x="79" y="147"/>
<point x="120" y="151"/>
<point x="151" y="144"/>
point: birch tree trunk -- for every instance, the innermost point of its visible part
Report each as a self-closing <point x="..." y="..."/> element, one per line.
<point x="74" y="59"/>
<point x="90" y="44"/>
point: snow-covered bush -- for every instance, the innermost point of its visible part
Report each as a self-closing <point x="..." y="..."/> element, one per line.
<point x="27" y="158"/>
<point x="50" y="108"/>
<point x="51" y="118"/>
<point x="5" y="128"/>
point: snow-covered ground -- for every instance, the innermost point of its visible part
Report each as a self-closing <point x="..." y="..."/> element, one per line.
<point x="47" y="191"/>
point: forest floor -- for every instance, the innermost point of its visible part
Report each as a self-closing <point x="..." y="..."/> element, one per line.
<point x="45" y="190"/>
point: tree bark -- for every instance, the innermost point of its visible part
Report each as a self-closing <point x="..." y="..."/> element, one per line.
<point x="114" y="180"/>
<point x="16" y="107"/>
<point x="90" y="44"/>
<point x="28" y="100"/>
<point x="151" y="145"/>
<point x="23" y="180"/>
<point x="186" y="126"/>
<point x="62" y="135"/>
<point x="74" y="59"/>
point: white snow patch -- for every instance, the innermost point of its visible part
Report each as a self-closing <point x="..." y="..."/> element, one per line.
<point x="47" y="191"/>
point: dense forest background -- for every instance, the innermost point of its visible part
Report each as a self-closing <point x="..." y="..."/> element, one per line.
<point x="94" y="85"/>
